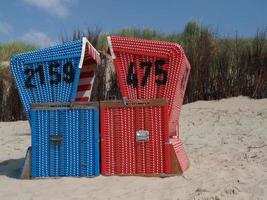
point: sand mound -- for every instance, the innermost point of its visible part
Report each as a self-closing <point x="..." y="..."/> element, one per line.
<point x="227" y="145"/>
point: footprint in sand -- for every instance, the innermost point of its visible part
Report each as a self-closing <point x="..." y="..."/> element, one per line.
<point x="206" y="196"/>
<point x="231" y="190"/>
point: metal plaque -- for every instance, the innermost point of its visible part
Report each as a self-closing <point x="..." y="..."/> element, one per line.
<point x="142" y="136"/>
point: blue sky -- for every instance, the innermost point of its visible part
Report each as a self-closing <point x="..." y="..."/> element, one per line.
<point x="43" y="21"/>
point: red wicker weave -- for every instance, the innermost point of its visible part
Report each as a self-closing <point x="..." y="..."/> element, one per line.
<point x="159" y="60"/>
<point x="122" y="150"/>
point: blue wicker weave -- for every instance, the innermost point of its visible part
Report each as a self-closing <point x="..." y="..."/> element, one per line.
<point x="48" y="75"/>
<point x="65" y="142"/>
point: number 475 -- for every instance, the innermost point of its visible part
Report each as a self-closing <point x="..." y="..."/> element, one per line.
<point x="133" y="80"/>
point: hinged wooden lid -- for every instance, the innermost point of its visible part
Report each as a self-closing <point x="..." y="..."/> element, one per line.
<point x="64" y="106"/>
<point x="134" y="103"/>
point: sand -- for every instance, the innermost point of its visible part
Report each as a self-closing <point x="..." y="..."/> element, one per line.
<point x="227" y="145"/>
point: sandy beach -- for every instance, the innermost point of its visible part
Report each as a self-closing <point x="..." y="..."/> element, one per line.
<point x="226" y="141"/>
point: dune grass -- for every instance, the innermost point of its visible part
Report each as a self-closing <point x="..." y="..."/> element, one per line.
<point x="10" y="105"/>
<point x="11" y="48"/>
<point x="221" y="67"/>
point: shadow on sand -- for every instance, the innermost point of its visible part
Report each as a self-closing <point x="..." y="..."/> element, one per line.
<point x="11" y="168"/>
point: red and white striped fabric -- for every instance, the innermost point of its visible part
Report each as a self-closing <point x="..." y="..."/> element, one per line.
<point x="88" y="65"/>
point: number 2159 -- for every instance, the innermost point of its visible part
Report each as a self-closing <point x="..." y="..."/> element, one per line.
<point x="55" y="75"/>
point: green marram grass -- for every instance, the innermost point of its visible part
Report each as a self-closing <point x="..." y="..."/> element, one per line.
<point x="12" y="48"/>
<point x="221" y="66"/>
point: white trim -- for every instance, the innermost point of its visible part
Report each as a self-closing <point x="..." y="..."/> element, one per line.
<point x="110" y="47"/>
<point x="96" y="55"/>
<point x="84" y="42"/>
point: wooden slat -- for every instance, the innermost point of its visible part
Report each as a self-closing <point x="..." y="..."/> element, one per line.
<point x="134" y="103"/>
